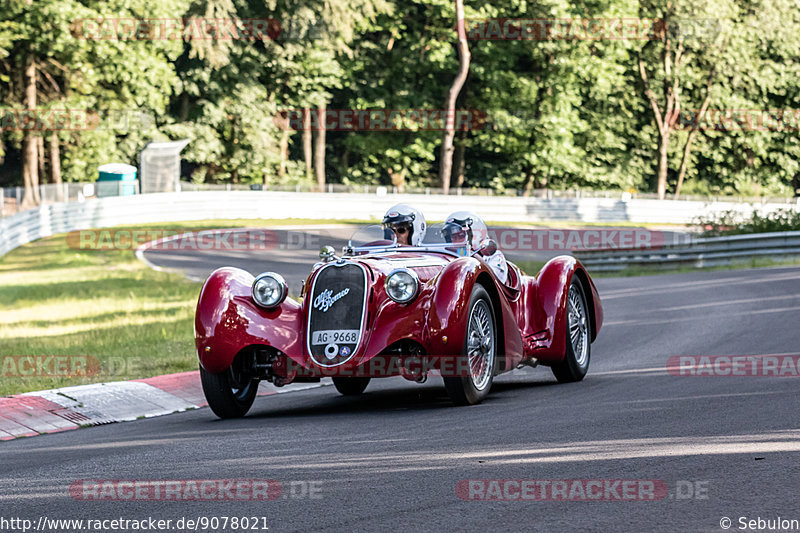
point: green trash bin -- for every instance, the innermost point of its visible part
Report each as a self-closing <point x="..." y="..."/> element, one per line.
<point x="116" y="179"/>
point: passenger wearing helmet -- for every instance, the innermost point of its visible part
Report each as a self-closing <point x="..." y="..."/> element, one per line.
<point x="466" y="227"/>
<point x="407" y="224"/>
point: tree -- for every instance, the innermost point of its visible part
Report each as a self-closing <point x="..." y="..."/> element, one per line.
<point x="677" y="61"/>
<point x="446" y="154"/>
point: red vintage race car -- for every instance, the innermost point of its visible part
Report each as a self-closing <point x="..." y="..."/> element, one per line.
<point x="383" y="309"/>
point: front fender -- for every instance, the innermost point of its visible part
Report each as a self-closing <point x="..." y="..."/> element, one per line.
<point x="227" y="320"/>
<point x="553" y="283"/>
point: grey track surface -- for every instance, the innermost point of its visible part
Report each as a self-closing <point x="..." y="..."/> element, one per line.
<point x="390" y="460"/>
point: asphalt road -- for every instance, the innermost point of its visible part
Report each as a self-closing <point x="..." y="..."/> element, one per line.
<point x="391" y="459"/>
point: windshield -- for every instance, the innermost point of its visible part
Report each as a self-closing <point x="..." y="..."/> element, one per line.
<point x="371" y="237"/>
<point x="438" y="237"/>
<point x="443" y="233"/>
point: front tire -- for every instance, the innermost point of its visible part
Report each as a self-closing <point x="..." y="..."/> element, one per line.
<point x="231" y="393"/>
<point x="480" y="352"/>
<point x="350" y="386"/>
<point x="578" y="346"/>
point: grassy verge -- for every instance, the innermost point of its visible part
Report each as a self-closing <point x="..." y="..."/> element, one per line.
<point x="107" y="305"/>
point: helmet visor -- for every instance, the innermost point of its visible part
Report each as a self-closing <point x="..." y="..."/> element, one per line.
<point x="455" y="233"/>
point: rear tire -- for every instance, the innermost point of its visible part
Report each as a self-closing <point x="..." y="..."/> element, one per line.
<point x="231" y="393"/>
<point x="578" y="345"/>
<point x="479" y="352"/>
<point x="350" y="386"/>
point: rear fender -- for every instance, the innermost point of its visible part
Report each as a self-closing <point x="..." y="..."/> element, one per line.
<point x="553" y="281"/>
<point x="227" y="321"/>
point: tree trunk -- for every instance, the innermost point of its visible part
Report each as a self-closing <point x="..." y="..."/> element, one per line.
<point x="526" y="190"/>
<point x="459" y="163"/>
<point x="666" y="120"/>
<point x="446" y="153"/>
<point x="30" y="154"/>
<point x="663" y="160"/>
<point x="319" y="149"/>
<point x="398" y="179"/>
<point x="688" y="146"/>
<point x="42" y="158"/>
<point x="284" y="148"/>
<point x="55" y="167"/>
<point x="55" y="160"/>
<point x="307" y="140"/>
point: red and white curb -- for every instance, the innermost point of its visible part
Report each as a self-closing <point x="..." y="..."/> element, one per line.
<point x="52" y="411"/>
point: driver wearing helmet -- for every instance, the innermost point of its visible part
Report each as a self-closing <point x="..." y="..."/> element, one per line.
<point x="469" y="228"/>
<point x="407" y="224"/>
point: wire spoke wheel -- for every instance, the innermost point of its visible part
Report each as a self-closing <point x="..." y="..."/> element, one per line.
<point x="474" y="380"/>
<point x="579" y="333"/>
<point x="480" y="347"/>
<point x="578" y="336"/>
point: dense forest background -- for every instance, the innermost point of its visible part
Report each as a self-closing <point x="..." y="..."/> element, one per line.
<point x="707" y="102"/>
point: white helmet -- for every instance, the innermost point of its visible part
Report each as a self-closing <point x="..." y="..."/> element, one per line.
<point x="464" y="221"/>
<point x="403" y="217"/>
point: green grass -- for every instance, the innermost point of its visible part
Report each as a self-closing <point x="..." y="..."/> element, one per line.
<point x="55" y="300"/>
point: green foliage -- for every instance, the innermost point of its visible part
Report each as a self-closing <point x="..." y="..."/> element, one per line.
<point x="734" y="223"/>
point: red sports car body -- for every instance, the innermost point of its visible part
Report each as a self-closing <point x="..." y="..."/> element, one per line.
<point x="387" y="310"/>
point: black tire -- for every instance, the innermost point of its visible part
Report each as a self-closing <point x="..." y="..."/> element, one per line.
<point x="463" y="390"/>
<point x="230" y="394"/>
<point x="575" y="364"/>
<point x="350" y="386"/>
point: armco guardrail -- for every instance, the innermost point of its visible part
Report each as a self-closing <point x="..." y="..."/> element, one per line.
<point x="697" y="252"/>
<point x="33" y="224"/>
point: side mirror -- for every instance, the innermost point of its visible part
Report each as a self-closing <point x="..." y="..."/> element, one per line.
<point x="327" y="254"/>
<point x="488" y="247"/>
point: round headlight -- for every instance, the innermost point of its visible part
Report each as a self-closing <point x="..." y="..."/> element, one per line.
<point x="269" y="290"/>
<point x="402" y="285"/>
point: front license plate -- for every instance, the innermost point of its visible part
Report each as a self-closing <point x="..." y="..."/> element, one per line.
<point x="330" y="336"/>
